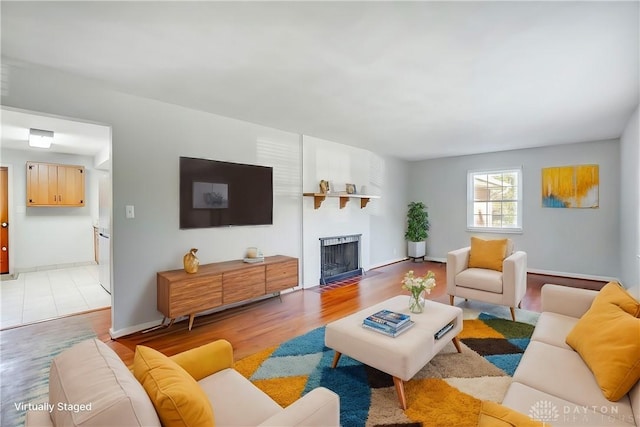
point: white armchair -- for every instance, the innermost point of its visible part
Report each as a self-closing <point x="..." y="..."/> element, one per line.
<point x="506" y="287"/>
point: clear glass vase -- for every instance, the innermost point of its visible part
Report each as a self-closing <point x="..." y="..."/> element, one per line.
<point x="416" y="302"/>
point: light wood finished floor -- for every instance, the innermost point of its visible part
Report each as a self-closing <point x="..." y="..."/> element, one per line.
<point x="266" y="323"/>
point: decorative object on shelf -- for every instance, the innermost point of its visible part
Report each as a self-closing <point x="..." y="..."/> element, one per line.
<point x="325" y="187"/>
<point x="191" y="261"/>
<point x="351" y="189"/>
<point x="417" y="227"/>
<point x="417" y="286"/>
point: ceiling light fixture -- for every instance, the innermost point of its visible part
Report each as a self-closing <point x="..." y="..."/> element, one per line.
<point x="40" y="138"/>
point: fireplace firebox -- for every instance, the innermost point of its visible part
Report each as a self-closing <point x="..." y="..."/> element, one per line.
<point x="339" y="258"/>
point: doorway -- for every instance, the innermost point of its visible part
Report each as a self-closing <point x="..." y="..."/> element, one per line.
<point x="53" y="264"/>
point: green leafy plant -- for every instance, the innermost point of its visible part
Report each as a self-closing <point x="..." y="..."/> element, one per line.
<point x="417" y="222"/>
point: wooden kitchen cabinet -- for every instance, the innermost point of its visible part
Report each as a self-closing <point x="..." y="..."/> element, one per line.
<point x="222" y="283"/>
<point x="50" y="184"/>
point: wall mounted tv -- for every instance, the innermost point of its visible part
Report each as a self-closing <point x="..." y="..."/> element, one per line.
<point x="220" y="194"/>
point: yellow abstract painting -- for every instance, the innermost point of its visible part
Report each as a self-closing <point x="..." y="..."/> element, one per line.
<point x="571" y="186"/>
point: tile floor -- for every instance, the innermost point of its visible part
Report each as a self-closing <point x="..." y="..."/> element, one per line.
<point x="47" y="294"/>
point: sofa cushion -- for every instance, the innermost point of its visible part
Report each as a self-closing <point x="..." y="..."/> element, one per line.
<point x="177" y="397"/>
<point x="92" y="373"/>
<point x="480" y="279"/>
<point x="231" y="391"/>
<point x="487" y="253"/>
<point x="557" y="412"/>
<point x="495" y="415"/>
<point x="552" y="328"/>
<point x="562" y="373"/>
<point x="607" y="338"/>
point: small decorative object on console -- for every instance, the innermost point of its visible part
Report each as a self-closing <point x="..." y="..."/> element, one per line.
<point x="417" y="286"/>
<point x="254" y="255"/>
<point x="351" y="189"/>
<point x="191" y="261"/>
<point x="324" y="187"/>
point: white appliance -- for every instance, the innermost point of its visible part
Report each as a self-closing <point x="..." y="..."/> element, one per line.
<point x="104" y="231"/>
<point x="104" y="268"/>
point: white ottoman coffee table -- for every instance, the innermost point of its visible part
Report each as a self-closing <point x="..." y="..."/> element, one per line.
<point x="403" y="356"/>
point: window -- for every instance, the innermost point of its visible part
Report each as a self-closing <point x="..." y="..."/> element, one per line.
<point x="494" y="200"/>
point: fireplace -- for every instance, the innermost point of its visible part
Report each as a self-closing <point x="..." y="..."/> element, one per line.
<point x="339" y="258"/>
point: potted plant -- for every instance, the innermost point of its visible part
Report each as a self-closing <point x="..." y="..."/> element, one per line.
<point x="417" y="227"/>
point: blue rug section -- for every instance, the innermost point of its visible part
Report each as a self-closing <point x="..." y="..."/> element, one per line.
<point x="521" y="343"/>
<point x="311" y="342"/>
<point x="350" y="382"/>
<point x="485" y="316"/>
<point x="287" y="366"/>
<point x="506" y="362"/>
<point x="349" y="379"/>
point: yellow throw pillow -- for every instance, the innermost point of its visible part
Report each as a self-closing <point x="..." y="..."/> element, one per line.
<point x="177" y="397"/>
<point x="487" y="253"/>
<point x="200" y="362"/>
<point x="495" y="415"/>
<point x="607" y="337"/>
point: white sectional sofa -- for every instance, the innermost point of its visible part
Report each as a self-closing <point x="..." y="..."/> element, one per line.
<point x="553" y="383"/>
<point x="89" y="385"/>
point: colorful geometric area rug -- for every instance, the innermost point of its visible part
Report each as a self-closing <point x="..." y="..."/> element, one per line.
<point x="447" y="392"/>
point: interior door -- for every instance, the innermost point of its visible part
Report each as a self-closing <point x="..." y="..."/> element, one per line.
<point x="4" y="220"/>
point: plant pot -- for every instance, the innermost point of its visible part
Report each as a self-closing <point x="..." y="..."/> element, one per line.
<point x="417" y="249"/>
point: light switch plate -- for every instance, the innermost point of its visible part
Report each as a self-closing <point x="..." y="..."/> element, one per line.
<point x="129" y="212"/>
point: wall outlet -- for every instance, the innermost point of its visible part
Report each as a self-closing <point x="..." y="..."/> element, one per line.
<point x="129" y="212"/>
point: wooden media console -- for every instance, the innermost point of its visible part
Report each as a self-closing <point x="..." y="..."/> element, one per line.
<point x="222" y="283"/>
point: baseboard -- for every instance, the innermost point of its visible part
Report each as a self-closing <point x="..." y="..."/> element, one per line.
<point x="572" y="275"/>
<point x="54" y="267"/>
<point x="529" y="270"/>
<point x="132" y="329"/>
<point x="155" y="324"/>
<point x="385" y="263"/>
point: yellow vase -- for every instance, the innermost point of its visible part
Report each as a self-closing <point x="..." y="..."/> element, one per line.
<point x="191" y="261"/>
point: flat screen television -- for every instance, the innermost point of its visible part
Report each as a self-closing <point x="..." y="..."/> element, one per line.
<point x="220" y="194"/>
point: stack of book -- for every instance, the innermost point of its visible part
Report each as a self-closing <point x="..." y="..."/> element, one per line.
<point x="388" y="322"/>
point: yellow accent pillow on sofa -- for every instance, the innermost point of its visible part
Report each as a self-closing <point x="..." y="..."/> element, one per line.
<point x="607" y="337"/>
<point x="487" y="253"/>
<point x="177" y="397"/>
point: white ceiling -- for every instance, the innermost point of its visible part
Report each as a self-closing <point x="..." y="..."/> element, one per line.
<point x="411" y="79"/>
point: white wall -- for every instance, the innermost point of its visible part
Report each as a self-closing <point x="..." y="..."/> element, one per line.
<point x="148" y="139"/>
<point x="43" y="236"/>
<point x="380" y="222"/>
<point x="630" y="203"/>
<point x="578" y="242"/>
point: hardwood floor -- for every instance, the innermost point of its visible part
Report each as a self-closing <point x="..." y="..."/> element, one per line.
<point x="266" y="323"/>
